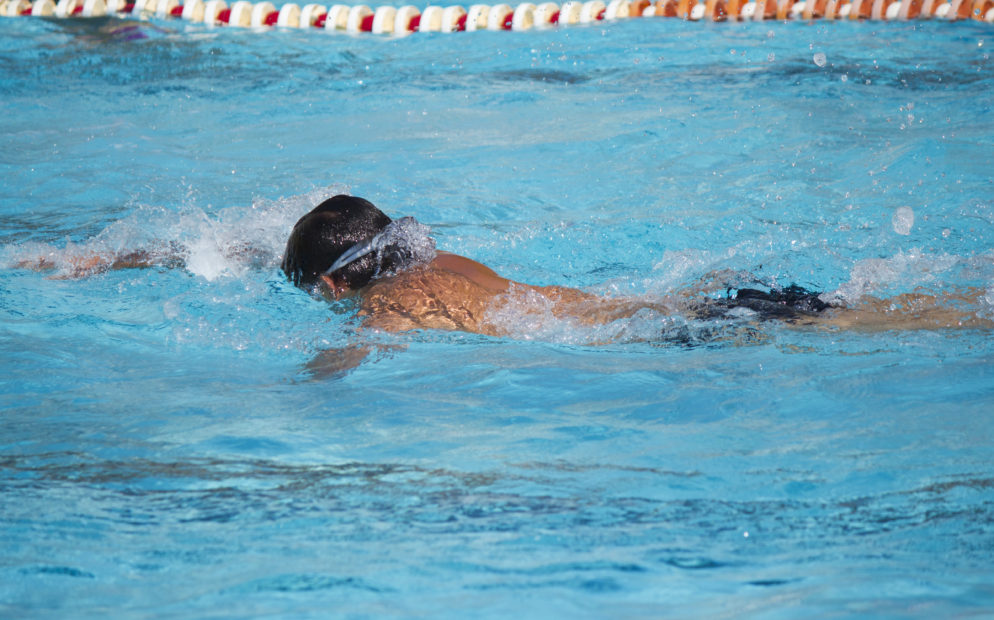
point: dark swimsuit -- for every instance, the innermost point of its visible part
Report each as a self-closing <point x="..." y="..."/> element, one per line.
<point x="788" y="304"/>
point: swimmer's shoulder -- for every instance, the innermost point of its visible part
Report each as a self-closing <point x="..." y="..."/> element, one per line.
<point x="450" y="293"/>
<point x="475" y="272"/>
<point x="446" y="272"/>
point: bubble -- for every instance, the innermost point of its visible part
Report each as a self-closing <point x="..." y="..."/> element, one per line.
<point x="820" y="59"/>
<point x="903" y="220"/>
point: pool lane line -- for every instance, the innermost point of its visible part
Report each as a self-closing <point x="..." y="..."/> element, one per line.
<point x="388" y="20"/>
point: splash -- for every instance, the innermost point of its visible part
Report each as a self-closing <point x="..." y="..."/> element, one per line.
<point x="411" y="241"/>
<point x="524" y="313"/>
<point x="899" y="273"/>
<point x="676" y="268"/>
<point x="406" y="242"/>
<point x="227" y="243"/>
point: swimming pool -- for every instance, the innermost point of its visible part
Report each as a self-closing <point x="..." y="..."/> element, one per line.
<point x="166" y="454"/>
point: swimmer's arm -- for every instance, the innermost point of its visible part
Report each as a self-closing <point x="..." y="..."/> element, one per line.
<point x="80" y="265"/>
<point x="911" y="311"/>
<point x="88" y="264"/>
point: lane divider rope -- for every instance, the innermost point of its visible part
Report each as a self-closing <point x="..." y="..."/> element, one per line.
<point x="388" y="20"/>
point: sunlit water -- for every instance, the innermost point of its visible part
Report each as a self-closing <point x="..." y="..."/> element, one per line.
<point x="165" y="452"/>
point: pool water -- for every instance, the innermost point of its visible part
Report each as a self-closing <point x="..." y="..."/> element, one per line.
<point x="165" y="451"/>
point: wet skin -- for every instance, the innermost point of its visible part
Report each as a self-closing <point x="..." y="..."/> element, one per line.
<point x="451" y="293"/>
<point x="456" y="293"/>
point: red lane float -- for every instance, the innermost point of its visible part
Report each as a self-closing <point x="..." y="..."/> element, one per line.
<point x="388" y="20"/>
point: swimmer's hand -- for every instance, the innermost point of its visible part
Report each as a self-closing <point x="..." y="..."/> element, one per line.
<point x="338" y="362"/>
<point x="42" y="263"/>
<point x="334" y="362"/>
<point x="76" y="266"/>
<point x="83" y="265"/>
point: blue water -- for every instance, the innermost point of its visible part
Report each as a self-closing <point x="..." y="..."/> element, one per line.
<point x="164" y="451"/>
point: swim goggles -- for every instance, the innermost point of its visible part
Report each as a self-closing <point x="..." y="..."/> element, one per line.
<point x="391" y="234"/>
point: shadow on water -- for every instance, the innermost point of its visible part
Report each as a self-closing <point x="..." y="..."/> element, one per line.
<point x="410" y="497"/>
<point x="550" y="76"/>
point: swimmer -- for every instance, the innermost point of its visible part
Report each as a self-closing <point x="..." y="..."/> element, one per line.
<point x="97" y="31"/>
<point x="348" y="248"/>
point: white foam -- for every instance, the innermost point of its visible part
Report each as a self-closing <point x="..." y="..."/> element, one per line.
<point x="215" y="245"/>
<point x="905" y="270"/>
<point x="205" y="258"/>
<point x="411" y="241"/>
<point x="527" y="314"/>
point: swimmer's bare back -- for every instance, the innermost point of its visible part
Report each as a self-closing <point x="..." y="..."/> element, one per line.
<point x="450" y="293"/>
<point x="455" y="293"/>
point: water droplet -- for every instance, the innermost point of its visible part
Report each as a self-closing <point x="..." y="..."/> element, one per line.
<point x="820" y="59"/>
<point x="903" y="220"/>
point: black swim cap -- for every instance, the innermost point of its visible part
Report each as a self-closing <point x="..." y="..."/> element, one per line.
<point x="324" y="234"/>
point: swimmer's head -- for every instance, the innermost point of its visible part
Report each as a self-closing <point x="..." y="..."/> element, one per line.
<point x="328" y="231"/>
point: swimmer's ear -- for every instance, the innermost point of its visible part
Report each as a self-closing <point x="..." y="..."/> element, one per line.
<point x="338" y="290"/>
